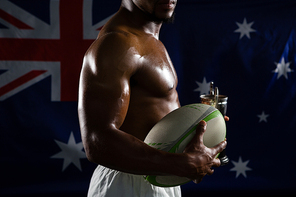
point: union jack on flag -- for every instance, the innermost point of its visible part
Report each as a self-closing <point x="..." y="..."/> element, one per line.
<point x="36" y="46"/>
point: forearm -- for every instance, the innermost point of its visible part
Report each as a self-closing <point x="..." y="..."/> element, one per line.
<point x="120" y="151"/>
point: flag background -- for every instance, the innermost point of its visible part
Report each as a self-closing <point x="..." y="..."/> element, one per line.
<point x="41" y="49"/>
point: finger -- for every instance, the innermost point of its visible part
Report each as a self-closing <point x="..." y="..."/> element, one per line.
<point x="197" y="140"/>
<point x="198" y="180"/>
<point x="200" y="130"/>
<point x="226" y="118"/>
<point x="216" y="162"/>
<point x="210" y="171"/>
<point x="219" y="148"/>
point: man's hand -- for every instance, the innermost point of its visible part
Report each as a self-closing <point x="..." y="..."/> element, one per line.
<point x="202" y="159"/>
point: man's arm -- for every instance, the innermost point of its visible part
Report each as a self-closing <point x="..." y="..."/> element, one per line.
<point x="104" y="95"/>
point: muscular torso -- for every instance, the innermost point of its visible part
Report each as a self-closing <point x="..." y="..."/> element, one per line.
<point x="127" y="84"/>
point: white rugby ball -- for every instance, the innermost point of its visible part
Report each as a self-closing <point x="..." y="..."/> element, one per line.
<point x="173" y="132"/>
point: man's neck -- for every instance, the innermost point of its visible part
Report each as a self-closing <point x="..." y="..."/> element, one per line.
<point x="141" y="19"/>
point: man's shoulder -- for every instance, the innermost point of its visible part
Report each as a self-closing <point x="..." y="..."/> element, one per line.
<point x="114" y="50"/>
<point x="118" y="36"/>
<point x="114" y="42"/>
<point x="115" y="34"/>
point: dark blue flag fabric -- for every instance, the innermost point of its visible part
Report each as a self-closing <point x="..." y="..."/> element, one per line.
<point x="247" y="48"/>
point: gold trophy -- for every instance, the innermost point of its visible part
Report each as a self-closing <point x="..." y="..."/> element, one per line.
<point x="220" y="102"/>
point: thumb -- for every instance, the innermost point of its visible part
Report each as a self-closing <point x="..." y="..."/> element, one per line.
<point x="200" y="130"/>
<point x="197" y="140"/>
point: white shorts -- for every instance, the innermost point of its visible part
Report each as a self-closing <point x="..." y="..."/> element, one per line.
<point x="106" y="182"/>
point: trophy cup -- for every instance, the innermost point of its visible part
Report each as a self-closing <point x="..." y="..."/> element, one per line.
<point x="219" y="102"/>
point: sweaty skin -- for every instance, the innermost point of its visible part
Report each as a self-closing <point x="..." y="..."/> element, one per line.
<point x="127" y="84"/>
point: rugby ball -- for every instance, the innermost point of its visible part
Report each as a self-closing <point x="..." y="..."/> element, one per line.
<point x="173" y="132"/>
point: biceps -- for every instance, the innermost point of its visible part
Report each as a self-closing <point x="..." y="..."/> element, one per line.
<point x="102" y="105"/>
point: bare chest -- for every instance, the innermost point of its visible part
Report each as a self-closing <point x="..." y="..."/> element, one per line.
<point x="156" y="74"/>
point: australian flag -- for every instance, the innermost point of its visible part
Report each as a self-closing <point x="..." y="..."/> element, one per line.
<point x="247" y="48"/>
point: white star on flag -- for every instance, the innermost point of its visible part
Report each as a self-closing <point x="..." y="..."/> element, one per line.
<point x="282" y="68"/>
<point x="203" y="88"/>
<point x="244" y="29"/>
<point x="263" y="117"/>
<point x="71" y="152"/>
<point x="240" y="167"/>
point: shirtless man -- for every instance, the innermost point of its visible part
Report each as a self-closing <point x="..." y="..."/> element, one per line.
<point x="128" y="83"/>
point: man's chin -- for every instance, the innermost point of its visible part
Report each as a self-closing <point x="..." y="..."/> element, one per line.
<point x="171" y="19"/>
<point x="165" y="20"/>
